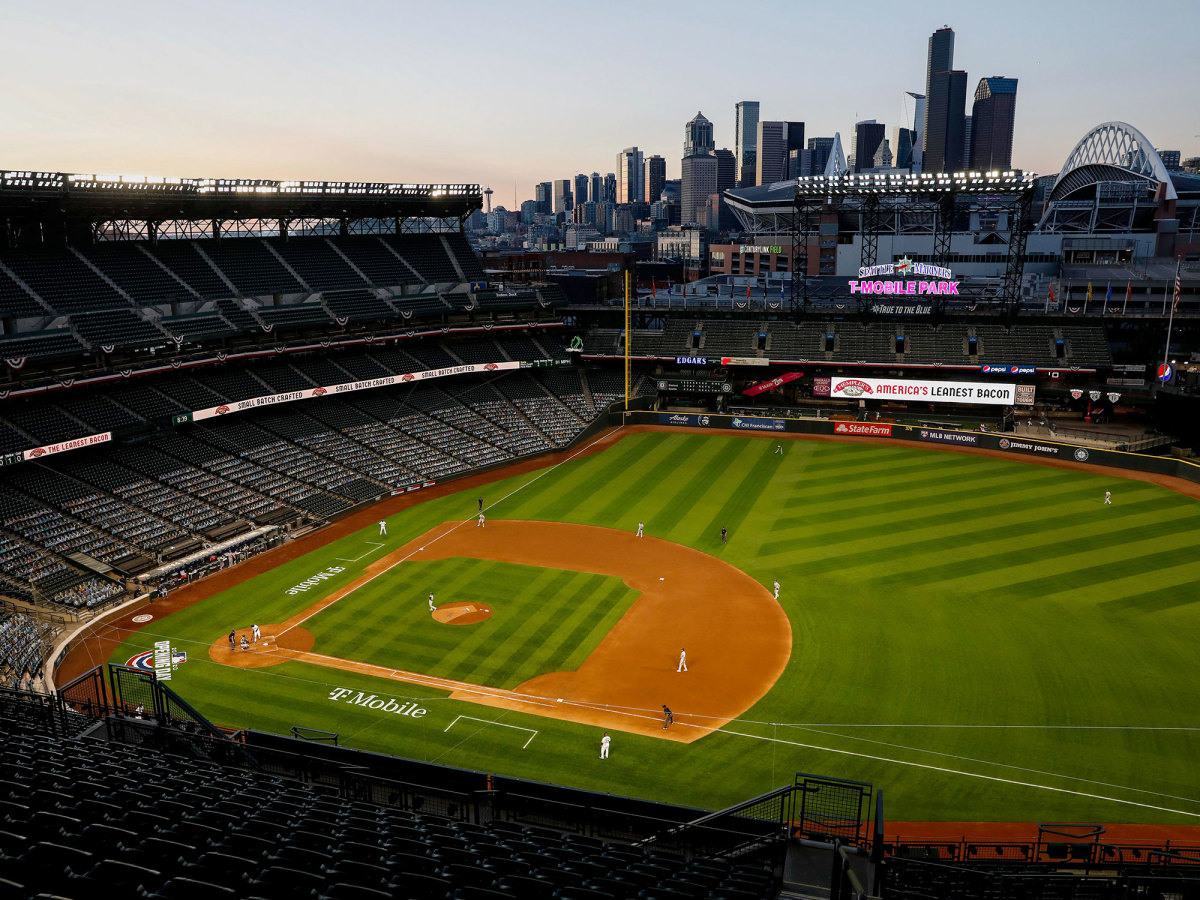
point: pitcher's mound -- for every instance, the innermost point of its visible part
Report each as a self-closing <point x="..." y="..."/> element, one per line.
<point x="461" y="613"/>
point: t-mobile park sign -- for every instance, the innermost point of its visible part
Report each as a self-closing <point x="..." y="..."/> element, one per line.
<point x="868" y="283"/>
<point x="923" y="391"/>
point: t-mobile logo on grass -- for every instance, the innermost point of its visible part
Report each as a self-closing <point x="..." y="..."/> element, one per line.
<point x="358" y="698"/>
<point x="309" y="583"/>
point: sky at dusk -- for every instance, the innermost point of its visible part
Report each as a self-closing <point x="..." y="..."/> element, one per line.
<point x="510" y="93"/>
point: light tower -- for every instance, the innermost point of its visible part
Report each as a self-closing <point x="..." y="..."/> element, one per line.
<point x="487" y="193"/>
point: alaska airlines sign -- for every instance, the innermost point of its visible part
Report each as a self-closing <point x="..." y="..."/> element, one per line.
<point x="867" y="285"/>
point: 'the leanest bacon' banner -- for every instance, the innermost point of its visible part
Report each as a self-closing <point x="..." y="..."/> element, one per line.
<point x="765" y="386"/>
<point x="856" y="388"/>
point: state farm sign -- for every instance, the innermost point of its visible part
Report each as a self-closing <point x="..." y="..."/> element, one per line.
<point x="860" y="428"/>
<point x="855" y="388"/>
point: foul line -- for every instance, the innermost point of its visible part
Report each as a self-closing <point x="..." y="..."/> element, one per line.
<point x="361" y="555"/>
<point x="448" y="532"/>
<point x="490" y="722"/>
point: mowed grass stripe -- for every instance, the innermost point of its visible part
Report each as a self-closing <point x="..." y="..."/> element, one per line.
<point x="573" y="482"/>
<point x="656" y="466"/>
<point x="1021" y="539"/>
<point x="671" y="521"/>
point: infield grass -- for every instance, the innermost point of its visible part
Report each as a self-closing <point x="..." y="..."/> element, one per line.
<point x="983" y="639"/>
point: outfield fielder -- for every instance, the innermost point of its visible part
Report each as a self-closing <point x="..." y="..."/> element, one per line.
<point x="604" y="742"/>
<point x="1108" y="498"/>
<point x="682" y="661"/>
<point x="641" y="526"/>
<point x="382" y="528"/>
<point x="776" y="590"/>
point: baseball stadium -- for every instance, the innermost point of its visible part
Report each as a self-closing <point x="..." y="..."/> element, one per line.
<point x="335" y="565"/>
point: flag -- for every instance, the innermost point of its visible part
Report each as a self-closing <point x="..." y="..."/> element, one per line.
<point x="653" y="289"/>
<point x="1050" y="299"/>
<point x="1087" y="298"/>
<point x="1107" y="297"/>
<point x="781" y="290"/>
<point x="1178" y="290"/>
<point x="747" y="290"/>
<point x="1128" y="294"/>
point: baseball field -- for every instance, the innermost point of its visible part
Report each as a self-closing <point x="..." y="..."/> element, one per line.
<point x="984" y="639"/>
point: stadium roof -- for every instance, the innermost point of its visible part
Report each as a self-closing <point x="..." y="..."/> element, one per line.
<point x="28" y="194"/>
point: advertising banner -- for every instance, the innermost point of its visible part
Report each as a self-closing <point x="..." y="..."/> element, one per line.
<point x="744" y="361"/>
<point x="63" y="446"/>
<point x="821" y="386"/>
<point x="765" y="386"/>
<point x="200" y="415"/>
<point x="856" y="388"/>
<point x="949" y="437"/>
<point x="689" y="419"/>
<point x="1034" y="447"/>
<point x="862" y="428"/>
<point x="749" y="424"/>
<point x="1008" y="370"/>
<point x="694" y="386"/>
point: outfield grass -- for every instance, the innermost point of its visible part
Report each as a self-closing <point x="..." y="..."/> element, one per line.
<point x="982" y="639"/>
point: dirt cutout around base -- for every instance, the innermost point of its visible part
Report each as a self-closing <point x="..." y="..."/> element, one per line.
<point x="271" y="649"/>
<point x="461" y="612"/>
<point x="737" y="636"/>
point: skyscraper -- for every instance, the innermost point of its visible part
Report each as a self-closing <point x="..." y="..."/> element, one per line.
<point x="581" y="189"/>
<point x="610" y="188"/>
<point x="775" y="141"/>
<point x="653" y="177"/>
<point x="817" y="155"/>
<point x="966" y="155"/>
<point x="541" y="193"/>
<point x="918" y="141"/>
<point x="562" y="195"/>
<point x="865" y="143"/>
<point x="745" y="150"/>
<point x="992" y="119"/>
<point x="699" y="182"/>
<point x="698" y="136"/>
<point x="945" y="106"/>
<point x="596" y="193"/>
<point x="629" y="175"/>
<point x="905" y="141"/>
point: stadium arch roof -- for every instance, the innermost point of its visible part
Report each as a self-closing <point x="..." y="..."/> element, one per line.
<point x="1112" y="151"/>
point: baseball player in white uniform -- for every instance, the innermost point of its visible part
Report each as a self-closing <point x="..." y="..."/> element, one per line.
<point x="1108" y="498"/>
<point x="432" y="608"/>
<point x="604" y="742"/>
<point x="256" y="631"/>
<point x="641" y="528"/>
<point x="382" y="528"/>
<point x="776" y="590"/>
<point x="682" y="667"/>
<point x="480" y="524"/>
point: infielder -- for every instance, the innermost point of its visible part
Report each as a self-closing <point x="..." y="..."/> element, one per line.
<point x="604" y="742"/>
<point x="256" y="631"/>
<point x="682" y="661"/>
<point x="668" y="717"/>
<point x="382" y="528"/>
<point x="480" y="524"/>
<point x="776" y="590"/>
<point x="1108" y="498"/>
<point x="641" y="526"/>
<point x="432" y="608"/>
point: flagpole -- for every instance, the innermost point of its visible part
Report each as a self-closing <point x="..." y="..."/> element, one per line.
<point x="628" y="335"/>
<point x="1171" y="320"/>
<point x="1128" y="291"/>
<point x="1107" y="294"/>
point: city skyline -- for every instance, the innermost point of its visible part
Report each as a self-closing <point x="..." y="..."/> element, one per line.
<point x="233" y="97"/>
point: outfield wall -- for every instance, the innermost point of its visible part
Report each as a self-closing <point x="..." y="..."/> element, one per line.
<point x="1003" y="443"/>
